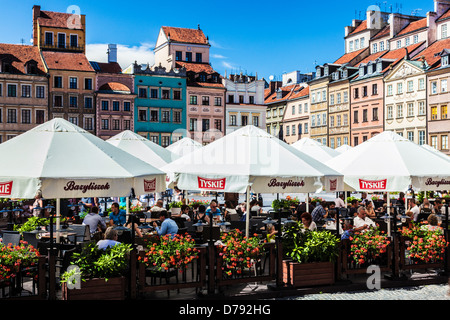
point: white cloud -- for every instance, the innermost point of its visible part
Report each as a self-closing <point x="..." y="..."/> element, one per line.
<point x="126" y="55"/>
<point x="227" y="65"/>
<point x="218" y="56"/>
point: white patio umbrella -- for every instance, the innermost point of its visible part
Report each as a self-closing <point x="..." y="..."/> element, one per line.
<point x="436" y="151"/>
<point x="142" y="148"/>
<point x="390" y="163"/>
<point x="315" y="149"/>
<point x="250" y="157"/>
<point x="343" y="148"/>
<point x="184" y="146"/>
<point x="62" y="160"/>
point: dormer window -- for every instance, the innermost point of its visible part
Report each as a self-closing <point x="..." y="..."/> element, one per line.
<point x="6" y="67"/>
<point x="379" y="66"/>
<point x="336" y="75"/>
<point x="361" y="71"/>
<point x="444" y="61"/>
<point x="318" y="72"/>
<point x="370" y="69"/>
<point x="31" y="67"/>
<point x="345" y="74"/>
<point x="326" y="71"/>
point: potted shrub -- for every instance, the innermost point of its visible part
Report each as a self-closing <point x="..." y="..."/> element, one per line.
<point x="97" y="274"/>
<point x="175" y="207"/>
<point x="16" y="258"/>
<point x="169" y="254"/>
<point x="239" y="253"/>
<point x="365" y="247"/>
<point x="424" y="246"/>
<point x="310" y="256"/>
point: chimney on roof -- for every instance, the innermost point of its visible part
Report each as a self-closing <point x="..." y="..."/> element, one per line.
<point x="36" y="14"/>
<point x="112" y="53"/>
<point x="407" y="54"/>
<point x="198" y="26"/>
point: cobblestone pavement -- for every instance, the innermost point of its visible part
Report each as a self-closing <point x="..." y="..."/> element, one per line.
<point x="426" y="292"/>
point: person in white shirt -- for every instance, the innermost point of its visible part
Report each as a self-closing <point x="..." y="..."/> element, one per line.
<point x="414" y="208"/>
<point x="362" y="222"/>
<point x="340" y="201"/>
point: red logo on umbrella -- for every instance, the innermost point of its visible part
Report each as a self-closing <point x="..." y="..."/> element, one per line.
<point x="149" y="185"/>
<point x="372" y="184"/>
<point x="5" y="188"/>
<point x="211" y="184"/>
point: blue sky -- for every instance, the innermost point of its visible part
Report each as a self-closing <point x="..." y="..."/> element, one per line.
<point x="264" y="37"/>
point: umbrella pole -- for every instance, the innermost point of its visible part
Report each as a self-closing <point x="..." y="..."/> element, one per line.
<point x="247" y="215"/>
<point x="58" y="219"/>
<point x="307" y="202"/>
<point x="388" y="213"/>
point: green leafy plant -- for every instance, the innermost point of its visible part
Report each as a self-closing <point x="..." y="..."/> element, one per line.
<point x="175" y="204"/>
<point x="285" y="204"/>
<point x="303" y="245"/>
<point x="176" y="253"/>
<point x="98" y="263"/>
<point x="31" y="224"/>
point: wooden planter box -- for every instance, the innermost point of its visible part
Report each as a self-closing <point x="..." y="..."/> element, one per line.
<point x="97" y="289"/>
<point x="308" y="274"/>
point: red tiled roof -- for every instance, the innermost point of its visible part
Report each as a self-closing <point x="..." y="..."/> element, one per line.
<point x="413" y="26"/>
<point x="299" y="92"/>
<point x="430" y="54"/>
<point x="56" y="20"/>
<point x="206" y="84"/>
<point x="114" y="86"/>
<point x="66" y="61"/>
<point x="185" y="35"/>
<point x="196" y="67"/>
<point x="361" y="27"/>
<point x="286" y="92"/>
<point x="385" y="32"/>
<point x="372" y="57"/>
<point x="445" y="16"/>
<point x="348" y="57"/>
<point x="399" y="54"/>
<point x="110" y="67"/>
<point x="19" y="55"/>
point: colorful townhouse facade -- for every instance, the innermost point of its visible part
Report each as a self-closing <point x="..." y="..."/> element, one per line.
<point x="61" y="39"/>
<point x="23" y="90"/>
<point x="114" y="97"/>
<point x="188" y="49"/>
<point x="276" y="104"/>
<point x="339" y="106"/>
<point x="296" y="116"/>
<point x="244" y="102"/>
<point x="160" y="104"/>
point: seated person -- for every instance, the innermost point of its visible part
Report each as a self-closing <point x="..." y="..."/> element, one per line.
<point x="168" y="226"/>
<point x="94" y="221"/>
<point x="110" y="239"/>
<point x="307" y="221"/>
<point x="200" y="215"/>
<point x="433" y="223"/>
<point x="271" y="233"/>
<point x="117" y="216"/>
<point x="370" y="210"/>
<point x="184" y="213"/>
<point x="230" y="213"/>
<point x="361" y="222"/>
<point x="137" y="223"/>
<point x="213" y="211"/>
<point x="158" y="207"/>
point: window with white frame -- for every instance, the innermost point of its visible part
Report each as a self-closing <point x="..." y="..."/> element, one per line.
<point x="410" y="109"/>
<point x="399" y="88"/>
<point x="410" y="86"/>
<point x="407" y="41"/>
<point x="389" y="90"/>
<point x="444" y="85"/>
<point x="444" y="31"/>
<point x="421" y="137"/>
<point x="421" y="108"/>
<point x="399" y="44"/>
<point x="416" y="39"/>
<point x="390" y="114"/>
<point x="375" y="48"/>
<point x="434" y="87"/>
<point x="411" y="136"/>
<point x="399" y="111"/>
<point x="422" y="84"/>
<point x="444" y="142"/>
<point x="382" y="46"/>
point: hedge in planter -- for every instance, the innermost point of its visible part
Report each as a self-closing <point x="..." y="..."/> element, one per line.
<point x="101" y="272"/>
<point x="312" y="256"/>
